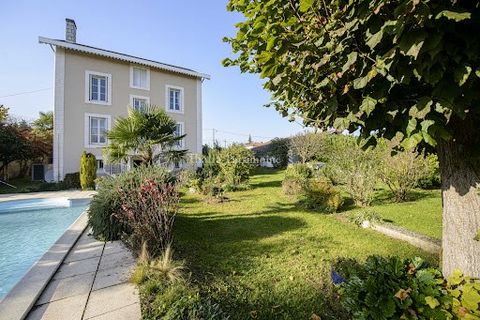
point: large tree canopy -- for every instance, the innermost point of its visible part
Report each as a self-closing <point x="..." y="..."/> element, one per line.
<point x="406" y="66"/>
<point x="391" y="66"/>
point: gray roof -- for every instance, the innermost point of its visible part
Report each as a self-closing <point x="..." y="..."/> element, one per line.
<point x="122" y="56"/>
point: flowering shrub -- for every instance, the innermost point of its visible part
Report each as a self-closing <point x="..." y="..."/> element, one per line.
<point x="106" y="206"/>
<point x="150" y="213"/>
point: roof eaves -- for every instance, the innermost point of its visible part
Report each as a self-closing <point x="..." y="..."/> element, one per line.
<point x="123" y="57"/>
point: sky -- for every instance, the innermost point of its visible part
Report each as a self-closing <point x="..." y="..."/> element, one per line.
<point x="182" y="32"/>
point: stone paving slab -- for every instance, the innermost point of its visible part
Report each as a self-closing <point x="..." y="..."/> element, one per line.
<point x="110" y="299"/>
<point x="92" y="283"/>
<point x="71" y="194"/>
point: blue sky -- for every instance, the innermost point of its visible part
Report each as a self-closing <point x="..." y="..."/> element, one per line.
<point x="183" y="32"/>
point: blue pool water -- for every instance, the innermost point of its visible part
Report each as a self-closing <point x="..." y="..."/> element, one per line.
<point x="26" y="235"/>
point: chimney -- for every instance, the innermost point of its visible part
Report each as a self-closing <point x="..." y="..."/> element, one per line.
<point x="70" y="30"/>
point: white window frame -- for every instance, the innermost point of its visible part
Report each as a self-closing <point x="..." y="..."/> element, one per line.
<point x="182" y="132"/>
<point x="89" y="73"/>
<point x="131" y="77"/>
<point x="87" y="129"/>
<point x="133" y="96"/>
<point x="167" y="98"/>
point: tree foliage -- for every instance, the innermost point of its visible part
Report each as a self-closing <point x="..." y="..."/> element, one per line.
<point x="236" y="164"/>
<point x="390" y="66"/>
<point x="88" y="171"/>
<point x="148" y="134"/>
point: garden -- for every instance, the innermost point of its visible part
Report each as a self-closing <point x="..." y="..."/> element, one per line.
<point x="231" y="240"/>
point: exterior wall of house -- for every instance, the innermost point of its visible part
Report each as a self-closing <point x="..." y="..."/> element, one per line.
<point x="71" y="106"/>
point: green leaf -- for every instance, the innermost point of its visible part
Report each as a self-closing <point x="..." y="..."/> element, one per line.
<point x="375" y="39"/>
<point x="368" y="105"/>
<point x="452" y="15"/>
<point x="351" y="58"/>
<point x="412" y="125"/>
<point x="412" y="141"/>
<point x="411" y="43"/>
<point x="421" y="109"/>
<point x="432" y="302"/>
<point x="470" y="297"/>
<point x="455" y="278"/>
<point x="360" y="83"/>
<point x="305" y="5"/>
<point x="462" y="74"/>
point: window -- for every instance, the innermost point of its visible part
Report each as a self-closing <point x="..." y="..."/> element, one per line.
<point x="139" y="78"/>
<point x="99" y="164"/>
<point x="174" y="99"/>
<point x="179" y="132"/>
<point x="98" y="87"/>
<point x="96" y="127"/>
<point x="139" y="103"/>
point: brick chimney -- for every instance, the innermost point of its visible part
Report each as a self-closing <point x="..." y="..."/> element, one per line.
<point x="70" y="30"/>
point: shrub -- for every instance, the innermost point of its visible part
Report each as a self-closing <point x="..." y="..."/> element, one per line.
<point x="105" y="207"/>
<point x="296" y="178"/>
<point x="402" y="171"/>
<point x="321" y="195"/>
<point x="88" y="171"/>
<point x="298" y="170"/>
<point x="149" y="211"/>
<point x="236" y="164"/>
<point x="393" y="288"/>
<point x="431" y="179"/>
<point x="72" y="181"/>
<point x="293" y="186"/>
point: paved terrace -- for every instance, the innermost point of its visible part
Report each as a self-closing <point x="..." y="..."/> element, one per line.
<point x="92" y="283"/>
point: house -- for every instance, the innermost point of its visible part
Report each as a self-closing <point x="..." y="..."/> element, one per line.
<point x="261" y="152"/>
<point x="93" y="86"/>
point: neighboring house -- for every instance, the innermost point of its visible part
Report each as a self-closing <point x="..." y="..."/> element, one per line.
<point x="261" y="151"/>
<point x="94" y="86"/>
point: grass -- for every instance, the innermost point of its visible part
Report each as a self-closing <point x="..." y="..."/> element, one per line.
<point x="422" y="213"/>
<point x="262" y="256"/>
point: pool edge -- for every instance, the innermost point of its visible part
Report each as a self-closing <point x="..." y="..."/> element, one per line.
<point x="22" y="297"/>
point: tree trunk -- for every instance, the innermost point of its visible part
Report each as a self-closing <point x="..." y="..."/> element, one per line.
<point x="461" y="207"/>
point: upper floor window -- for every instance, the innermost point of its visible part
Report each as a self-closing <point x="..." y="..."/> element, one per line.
<point x="139" y="78"/>
<point x="96" y="127"/>
<point x="98" y="87"/>
<point x="139" y="103"/>
<point x="174" y="99"/>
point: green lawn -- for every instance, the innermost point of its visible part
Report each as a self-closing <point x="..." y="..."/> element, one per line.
<point x="422" y="214"/>
<point x="262" y="256"/>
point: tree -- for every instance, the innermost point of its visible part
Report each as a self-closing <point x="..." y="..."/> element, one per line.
<point x="236" y="164"/>
<point x="88" y="171"/>
<point x="409" y="67"/>
<point x="3" y="113"/>
<point x="250" y="141"/>
<point x="148" y="135"/>
<point x="307" y="146"/>
<point x="278" y="150"/>
<point x="401" y="171"/>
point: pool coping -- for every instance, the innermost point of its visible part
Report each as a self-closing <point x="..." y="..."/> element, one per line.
<point x="22" y="297"/>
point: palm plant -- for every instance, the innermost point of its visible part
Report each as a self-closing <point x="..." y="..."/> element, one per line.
<point x="147" y="134"/>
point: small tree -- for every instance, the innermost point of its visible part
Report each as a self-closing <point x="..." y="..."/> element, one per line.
<point x="148" y="134"/>
<point x="236" y="164"/>
<point x="88" y="171"/>
<point x="308" y="146"/>
<point x="402" y="171"/>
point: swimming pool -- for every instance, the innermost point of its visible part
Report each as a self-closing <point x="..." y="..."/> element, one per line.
<point x="28" y="228"/>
